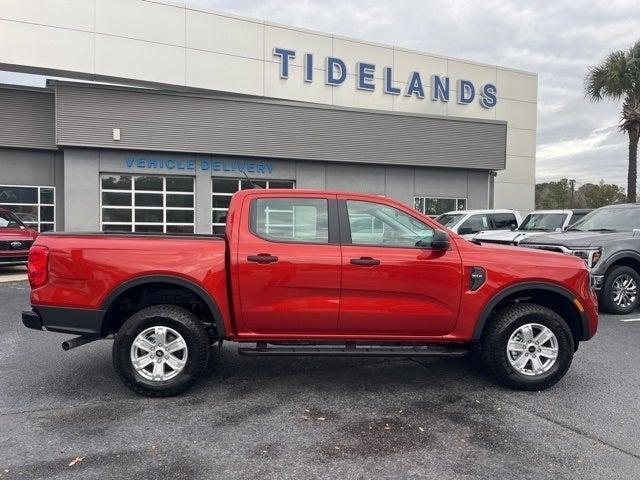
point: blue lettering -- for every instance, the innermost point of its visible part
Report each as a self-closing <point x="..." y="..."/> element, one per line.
<point x="251" y="167"/>
<point x="170" y="164"/>
<point x="140" y="163"/>
<point x="414" y="85"/>
<point x="488" y="95"/>
<point x="284" y="55"/>
<point x="439" y="88"/>
<point x="217" y="165"/>
<point x="225" y="167"/>
<point x="270" y="168"/>
<point x="152" y="163"/>
<point x="191" y="165"/>
<point x="240" y="166"/>
<point x="204" y="165"/>
<point x="180" y="165"/>
<point x="364" y="76"/>
<point x="466" y="92"/>
<point x="129" y="161"/>
<point x="332" y="64"/>
<point x="260" y="167"/>
<point x="308" y="67"/>
<point x="387" y="74"/>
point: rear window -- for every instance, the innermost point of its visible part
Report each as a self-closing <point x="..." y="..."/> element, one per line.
<point x="503" y="221"/>
<point x="303" y="220"/>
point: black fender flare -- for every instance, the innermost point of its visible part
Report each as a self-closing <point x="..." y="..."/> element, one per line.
<point x="521" y="287"/>
<point x="182" y="282"/>
<point x="618" y="256"/>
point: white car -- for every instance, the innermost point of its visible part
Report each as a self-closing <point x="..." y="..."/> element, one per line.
<point x="536" y="223"/>
<point x="467" y="223"/>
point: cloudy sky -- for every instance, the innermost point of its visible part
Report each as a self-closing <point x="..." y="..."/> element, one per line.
<point x="557" y="39"/>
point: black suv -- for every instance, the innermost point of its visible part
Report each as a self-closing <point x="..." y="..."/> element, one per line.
<point x="608" y="240"/>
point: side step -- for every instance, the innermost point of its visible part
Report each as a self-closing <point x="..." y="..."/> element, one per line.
<point x="352" y="350"/>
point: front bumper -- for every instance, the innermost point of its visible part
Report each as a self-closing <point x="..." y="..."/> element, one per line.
<point x="596" y="281"/>
<point x="65" y="320"/>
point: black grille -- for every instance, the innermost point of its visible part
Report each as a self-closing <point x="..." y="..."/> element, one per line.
<point x="5" y="245"/>
<point x="551" y="248"/>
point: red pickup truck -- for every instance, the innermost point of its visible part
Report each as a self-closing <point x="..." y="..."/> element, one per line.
<point x="312" y="273"/>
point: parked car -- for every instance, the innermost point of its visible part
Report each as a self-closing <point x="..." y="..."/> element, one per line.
<point x="15" y="239"/>
<point x="608" y="240"/>
<point x="467" y="223"/>
<point x="537" y="222"/>
<point x="311" y="273"/>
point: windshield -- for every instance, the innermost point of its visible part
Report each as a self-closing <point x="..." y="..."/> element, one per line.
<point x="610" y="219"/>
<point x="547" y="222"/>
<point x="449" y="219"/>
<point x="9" y="220"/>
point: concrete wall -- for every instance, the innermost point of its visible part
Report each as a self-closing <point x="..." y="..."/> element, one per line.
<point x="166" y="43"/>
<point x="83" y="168"/>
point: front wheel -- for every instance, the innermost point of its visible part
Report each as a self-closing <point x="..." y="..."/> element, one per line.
<point x="161" y="351"/>
<point x="619" y="294"/>
<point x="527" y="347"/>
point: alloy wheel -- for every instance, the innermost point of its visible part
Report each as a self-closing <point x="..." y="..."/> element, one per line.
<point x="159" y="353"/>
<point x="532" y="349"/>
<point x="624" y="291"/>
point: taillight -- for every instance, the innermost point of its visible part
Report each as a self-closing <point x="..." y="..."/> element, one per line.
<point x="38" y="267"/>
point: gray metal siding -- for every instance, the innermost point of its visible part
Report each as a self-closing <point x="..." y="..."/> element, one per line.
<point x="238" y="125"/>
<point x="27" y="118"/>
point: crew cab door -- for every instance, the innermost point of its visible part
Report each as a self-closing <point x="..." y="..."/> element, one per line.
<point x="389" y="285"/>
<point x="288" y="259"/>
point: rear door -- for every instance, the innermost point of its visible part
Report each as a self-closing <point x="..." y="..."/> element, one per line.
<point x="289" y="264"/>
<point x="389" y="285"/>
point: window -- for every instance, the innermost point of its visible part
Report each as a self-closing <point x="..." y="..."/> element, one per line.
<point x="475" y="224"/>
<point x="376" y="224"/>
<point x="224" y="188"/>
<point x="291" y="219"/>
<point x="35" y="206"/>
<point x="504" y="221"/>
<point x="437" y="206"/>
<point x="147" y="203"/>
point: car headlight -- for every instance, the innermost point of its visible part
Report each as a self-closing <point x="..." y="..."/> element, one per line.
<point x="590" y="255"/>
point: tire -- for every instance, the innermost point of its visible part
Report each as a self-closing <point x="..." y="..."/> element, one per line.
<point x="508" y="322"/>
<point x="147" y="326"/>
<point x="607" y="293"/>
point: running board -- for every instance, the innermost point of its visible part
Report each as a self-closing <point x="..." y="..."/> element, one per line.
<point x="351" y="350"/>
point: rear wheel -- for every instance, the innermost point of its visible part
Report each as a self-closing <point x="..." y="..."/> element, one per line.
<point x="527" y="347"/>
<point x="619" y="294"/>
<point x="161" y="351"/>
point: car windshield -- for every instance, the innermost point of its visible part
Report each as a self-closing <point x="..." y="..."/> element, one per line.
<point x="449" y="219"/>
<point x="547" y="222"/>
<point x="9" y="220"/>
<point x="610" y="219"/>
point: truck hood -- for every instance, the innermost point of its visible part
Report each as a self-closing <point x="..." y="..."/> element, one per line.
<point x="506" y="236"/>
<point x="17" y="234"/>
<point x="576" y="238"/>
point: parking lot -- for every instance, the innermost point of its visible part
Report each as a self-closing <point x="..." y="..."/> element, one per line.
<point x="311" y="418"/>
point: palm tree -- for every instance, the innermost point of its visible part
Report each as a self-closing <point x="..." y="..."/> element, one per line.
<point x="618" y="77"/>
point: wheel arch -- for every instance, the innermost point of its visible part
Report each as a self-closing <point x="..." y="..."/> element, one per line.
<point x="189" y="285"/>
<point x="627" y="258"/>
<point x="562" y="302"/>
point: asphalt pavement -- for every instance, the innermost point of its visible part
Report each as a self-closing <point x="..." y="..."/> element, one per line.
<point x="66" y="415"/>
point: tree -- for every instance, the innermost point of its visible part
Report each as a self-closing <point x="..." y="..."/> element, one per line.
<point x="601" y="194"/>
<point x="618" y="77"/>
<point x="553" y="194"/>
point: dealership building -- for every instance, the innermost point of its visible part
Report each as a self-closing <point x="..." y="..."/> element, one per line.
<point x="182" y="105"/>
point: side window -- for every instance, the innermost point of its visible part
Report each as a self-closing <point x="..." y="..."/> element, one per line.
<point x="376" y="224"/>
<point x="474" y="224"/>
<point x="503" y="221"/>
<point x="291" y="219"/>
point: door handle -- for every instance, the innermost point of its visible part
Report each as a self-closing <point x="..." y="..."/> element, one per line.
<point x="262" y="258"/>
<point x="365" y="261"/>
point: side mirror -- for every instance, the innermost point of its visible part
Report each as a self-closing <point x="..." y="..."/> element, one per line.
<point x="440" y="240"/>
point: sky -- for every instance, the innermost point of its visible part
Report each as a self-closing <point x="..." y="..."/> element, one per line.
<point x="558" y="39"/>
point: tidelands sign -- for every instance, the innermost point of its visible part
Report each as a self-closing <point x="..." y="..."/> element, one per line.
<point x="336" y="74"/>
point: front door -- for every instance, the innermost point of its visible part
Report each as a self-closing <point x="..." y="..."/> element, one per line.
<point x="390" y="286"/>
<point x="289" y="265"/>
